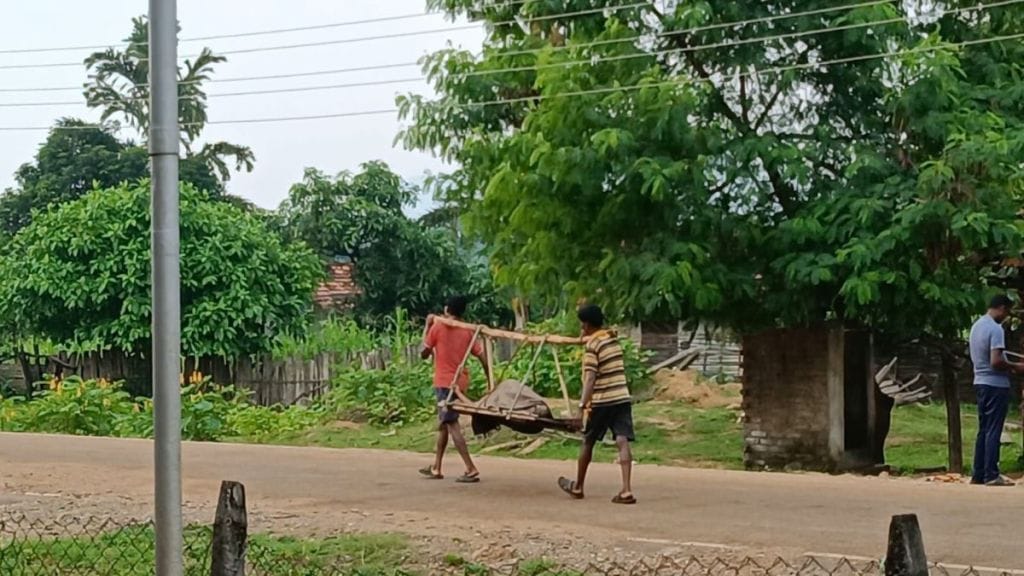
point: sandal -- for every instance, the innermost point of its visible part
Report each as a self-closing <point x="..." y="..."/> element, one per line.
<point x="430" y="474"/>
<point x="569" y="487"/>
<point x="468" y="478"/>
<point x="622" y="499"/>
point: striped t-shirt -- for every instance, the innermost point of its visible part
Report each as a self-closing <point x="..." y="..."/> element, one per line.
<point x="603" y="355"/>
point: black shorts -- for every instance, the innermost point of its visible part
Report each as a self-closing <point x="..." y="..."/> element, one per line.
<point x="618" y="418"/>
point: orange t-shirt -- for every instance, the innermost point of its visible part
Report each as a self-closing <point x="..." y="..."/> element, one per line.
<point x="449" y="347"/>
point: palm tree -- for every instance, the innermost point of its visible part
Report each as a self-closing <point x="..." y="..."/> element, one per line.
<point x="119" y="86"/>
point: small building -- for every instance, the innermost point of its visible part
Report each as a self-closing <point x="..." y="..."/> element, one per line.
<point x="338" y="293"/>
<point x="809" y="401"/>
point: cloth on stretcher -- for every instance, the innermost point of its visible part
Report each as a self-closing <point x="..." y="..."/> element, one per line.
<point x="507" y="396"/>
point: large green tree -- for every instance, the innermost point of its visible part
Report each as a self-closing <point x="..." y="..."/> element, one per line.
<point x="79" y="276"/>
<point x="75" y="158"/>
<point x="669" y="163"/>
<point x="400" y="263"/>
<point x="119" y="86"/>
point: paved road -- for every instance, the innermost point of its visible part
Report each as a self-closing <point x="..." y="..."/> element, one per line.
<point x="796" y="513"/>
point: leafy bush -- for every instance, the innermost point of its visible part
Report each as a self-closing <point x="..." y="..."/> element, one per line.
<point x="76" y="407"/>
<point x="262" y="424"/>
<point x="397" y="395"/>
<point x="330" y="335"/>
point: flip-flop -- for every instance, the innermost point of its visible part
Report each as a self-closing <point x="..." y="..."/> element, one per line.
<point x="468" y="478"/>
<point x="429" y="474"/>
<point x="620" y="499"/>
<point x="569" y="487"/>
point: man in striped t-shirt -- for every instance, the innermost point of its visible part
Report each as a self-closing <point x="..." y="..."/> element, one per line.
<point x="606" y="398"/>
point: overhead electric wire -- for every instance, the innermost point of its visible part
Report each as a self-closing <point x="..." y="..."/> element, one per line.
<point x="563" y="64"/>
<point x="341" y="41"/>
<point x="692" y="30"/>
<point x="272" y="31"/>
<point x="578" y="93"/>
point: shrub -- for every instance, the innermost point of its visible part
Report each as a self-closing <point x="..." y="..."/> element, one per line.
<point x="262" y="424"/>
<point x="397" y="395"/>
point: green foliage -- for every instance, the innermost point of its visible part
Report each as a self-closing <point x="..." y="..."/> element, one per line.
<point x="77" y="158"/>
<point x="119" y="87"/>
<point x="343" y="215"/>
<point x="879" y="191"/>
<point x="397" y="395"/>
<point x="333" y="334"/>
<point x="79" y="275"/>
<point x="400" y="263"/>
<point x="262" y="424"/>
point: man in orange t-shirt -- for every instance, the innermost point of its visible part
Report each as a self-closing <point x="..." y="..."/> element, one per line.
<point x="448" y="345"/>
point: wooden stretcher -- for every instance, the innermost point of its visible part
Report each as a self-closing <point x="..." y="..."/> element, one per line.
<point x="519" y="420"/>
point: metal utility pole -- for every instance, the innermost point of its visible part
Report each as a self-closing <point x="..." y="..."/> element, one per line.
<point x="163" y="152"/>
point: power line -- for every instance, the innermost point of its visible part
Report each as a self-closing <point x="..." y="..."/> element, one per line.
<point x="589" y="92"/>
<point x="341" y="41"/>
<point x="272" y="31"/>
<point x="693" y="30"/>
<point x="563" y="64"/>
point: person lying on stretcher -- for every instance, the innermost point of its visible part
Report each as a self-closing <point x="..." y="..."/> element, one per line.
<point x="448" y="344"/>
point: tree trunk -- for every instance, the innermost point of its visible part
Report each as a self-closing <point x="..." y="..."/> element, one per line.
<point x="953" y="424"/>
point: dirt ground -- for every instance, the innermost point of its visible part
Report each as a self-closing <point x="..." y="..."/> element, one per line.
<point x="688" y="386"/>
<point x="517" y="511"/>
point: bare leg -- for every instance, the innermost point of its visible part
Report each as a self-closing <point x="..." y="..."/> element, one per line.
<point x="460" y="445"/>
<point x="442" y="445"/>
<point x="586" y="455"/>
<point x="626" y="463"/>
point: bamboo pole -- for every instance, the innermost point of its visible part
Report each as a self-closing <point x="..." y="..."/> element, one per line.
<point x="489" y="350"/>
<point x="561" y="382"/>
<point x="465" y="358"/>
<point x="511" y="335"/>
<point x="526" y="378"/>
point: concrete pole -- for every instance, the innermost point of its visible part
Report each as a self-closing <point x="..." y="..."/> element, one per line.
<point x="163" y="152"/>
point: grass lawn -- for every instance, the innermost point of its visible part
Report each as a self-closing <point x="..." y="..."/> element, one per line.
<point x="676" y="433"/>
<point x="670" y="433"/>
<point x="917" y="438"/>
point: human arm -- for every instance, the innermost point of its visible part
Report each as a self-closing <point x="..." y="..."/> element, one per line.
<point x="590" y="363"/>
<point x="480" y="353"/>
<point x="997" y="345"/>
<point x="429" y="338"/>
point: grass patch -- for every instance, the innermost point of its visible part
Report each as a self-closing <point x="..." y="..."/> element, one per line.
<point x="670" y="433"/>
<point x="917" y="439"/>
<point x="130" y="551"/>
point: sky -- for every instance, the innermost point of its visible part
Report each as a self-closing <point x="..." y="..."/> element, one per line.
<point x="283" y="150"/>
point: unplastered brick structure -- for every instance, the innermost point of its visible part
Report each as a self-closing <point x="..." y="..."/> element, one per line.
<point x="807" y="402"/>
<point x="339" y="291"/>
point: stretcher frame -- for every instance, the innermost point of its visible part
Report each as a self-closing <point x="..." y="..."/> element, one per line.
<point x="458" y="401"/>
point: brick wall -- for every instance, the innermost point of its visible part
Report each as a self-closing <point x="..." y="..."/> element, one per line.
<point x="785" y="399"/>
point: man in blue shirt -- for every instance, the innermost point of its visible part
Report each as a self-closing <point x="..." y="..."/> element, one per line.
<point x="992" y="385"/>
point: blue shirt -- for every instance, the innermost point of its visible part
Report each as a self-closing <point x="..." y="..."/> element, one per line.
<point x="987" y="335"/>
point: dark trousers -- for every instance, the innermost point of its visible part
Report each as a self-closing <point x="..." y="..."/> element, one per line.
<point x="992" y="405"/>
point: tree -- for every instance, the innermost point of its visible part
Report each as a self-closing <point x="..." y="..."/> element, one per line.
<point x="79" y="276"/>
<point x="76" y="158"/>
<point x="119" y="86"/>
<point x="400" y="263"/>
<point x="342" y="216"/>
<point x="670" y="164"/>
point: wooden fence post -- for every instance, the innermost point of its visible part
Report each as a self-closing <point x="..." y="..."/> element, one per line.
<point x="905" y="555"/>
<point x="230" y="530"/>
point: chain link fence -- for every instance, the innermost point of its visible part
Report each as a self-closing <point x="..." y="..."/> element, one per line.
<point x="103" y="547"/>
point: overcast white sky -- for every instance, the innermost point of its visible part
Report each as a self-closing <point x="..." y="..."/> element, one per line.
<point x="282" y="150"/>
